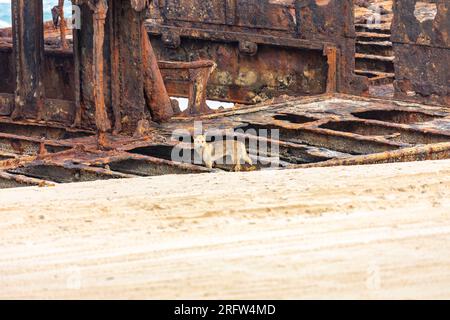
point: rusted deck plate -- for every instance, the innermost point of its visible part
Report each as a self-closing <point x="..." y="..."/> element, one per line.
<point x="319" y="131"/>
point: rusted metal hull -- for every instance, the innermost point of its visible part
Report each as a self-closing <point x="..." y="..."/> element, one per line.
<point x="263" y="48"/>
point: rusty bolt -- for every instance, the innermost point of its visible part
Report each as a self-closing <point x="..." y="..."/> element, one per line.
<point x="248" y="47"/>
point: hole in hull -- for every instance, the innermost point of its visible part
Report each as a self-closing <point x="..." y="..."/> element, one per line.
<point x="37" y="131"/>
<point x="62" y="174"/>
<point x="294" y="118"/>
<point x="143" y="167"/>
<point x="5" y="157"/>
<point x="327" y="140"/>
<point x="157" y="151"/>
<point x="396" y="116"/>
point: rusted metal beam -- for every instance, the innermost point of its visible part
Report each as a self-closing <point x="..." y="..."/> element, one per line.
<point x="8" y="180"/>
<point x="263" y="48"/>
<point x="115" y="74"/>
<point x="102" y="122"/>
<point x="62" y="24"/>
<point x="199" y="77"/>
<point x="438" y="151"/>
<point x="197" y="74"/>
<point x="332" y="56"/>
<point x="133" y="88"/>
<point x="28" y="40"/>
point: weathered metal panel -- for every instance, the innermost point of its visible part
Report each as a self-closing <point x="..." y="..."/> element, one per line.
<point x="6" y="104"/>
<point x="126" y="25"/>
<point x="422" y="49"/>
<point x="7" y="81"/>
<point x="244" y="78"/>
<point x="333" y="21"/>
<point x="424" y="73"/>
<point x="262" y="48"/>
<point x="59" y="75"/>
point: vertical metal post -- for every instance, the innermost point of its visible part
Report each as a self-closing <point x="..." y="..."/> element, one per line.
<point x="231" y="11"/>
<point x="28" y="44"/>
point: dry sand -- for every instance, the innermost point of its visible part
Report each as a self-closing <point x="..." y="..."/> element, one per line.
<point x="346" y="232"/>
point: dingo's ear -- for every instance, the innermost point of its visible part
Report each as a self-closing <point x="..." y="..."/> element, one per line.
<point x="199" y="141"/>
<point x="200" y="138"/>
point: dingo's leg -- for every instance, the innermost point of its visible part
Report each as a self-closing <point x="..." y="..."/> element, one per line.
<point x="235" y="158"/>
<point x="208" y="160"/>
<point x="245" y="155"/>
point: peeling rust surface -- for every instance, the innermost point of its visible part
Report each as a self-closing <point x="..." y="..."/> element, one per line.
<point x="318" y="131"/>
<point x="422" y="49"/>
<point x="253" y="43"/>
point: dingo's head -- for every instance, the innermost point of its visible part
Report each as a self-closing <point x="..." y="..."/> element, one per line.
<point x="199" y="142"/>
